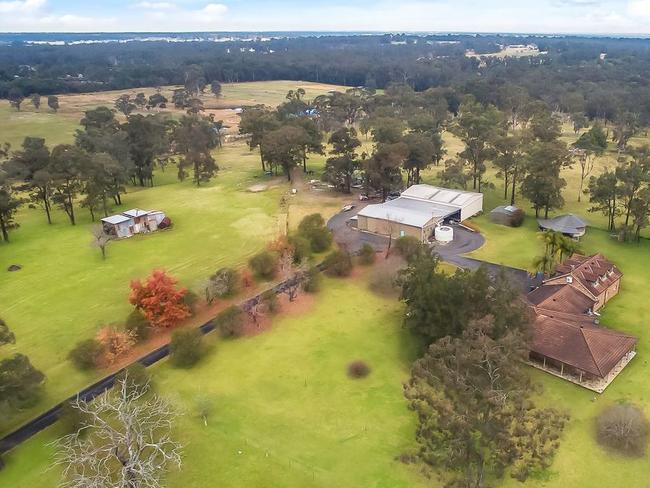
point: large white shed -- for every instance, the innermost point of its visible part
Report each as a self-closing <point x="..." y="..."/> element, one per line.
<point x="418" y="211"/>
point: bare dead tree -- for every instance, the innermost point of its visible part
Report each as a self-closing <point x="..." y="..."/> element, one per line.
<point x="125" y="441"/>
<point x="100" y="239"/>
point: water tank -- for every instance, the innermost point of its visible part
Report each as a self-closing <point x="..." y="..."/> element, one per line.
<point x="444" y="234"/>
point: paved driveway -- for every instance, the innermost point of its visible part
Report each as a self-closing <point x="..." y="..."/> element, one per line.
<point x="465" y="241"/>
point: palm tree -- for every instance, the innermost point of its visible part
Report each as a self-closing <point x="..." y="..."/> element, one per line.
<point x="543" y="263"/>
<point x="567" y="247"/>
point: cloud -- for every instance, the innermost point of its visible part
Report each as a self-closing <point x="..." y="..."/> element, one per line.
<point x="640" y="8"/>
<point x="156" y="5"/>
<point x="21" y="6"/>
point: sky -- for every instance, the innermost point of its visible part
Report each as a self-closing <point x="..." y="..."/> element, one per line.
<point x="515" y="16"/>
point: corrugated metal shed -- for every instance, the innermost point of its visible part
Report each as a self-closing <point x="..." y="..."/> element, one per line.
<point x="408" y="211"/>
<point x="136" y="212"/>
<point x="116" y="219"/>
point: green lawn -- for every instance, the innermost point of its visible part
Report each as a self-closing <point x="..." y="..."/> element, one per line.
<point x="286" y="414"/>
<point x="15" y="126"/>
<point x="65" y="291"/>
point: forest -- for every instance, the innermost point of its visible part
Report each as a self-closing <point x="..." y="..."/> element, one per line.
<point x="598" y="77"/>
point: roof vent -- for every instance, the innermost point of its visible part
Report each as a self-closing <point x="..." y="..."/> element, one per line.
<point x="569" y="279"/>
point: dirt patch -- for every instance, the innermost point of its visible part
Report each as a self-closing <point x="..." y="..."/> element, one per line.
<point x="260" y="187"/>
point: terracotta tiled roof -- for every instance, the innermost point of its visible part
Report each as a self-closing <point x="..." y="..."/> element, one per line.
<point x="595" y="272"/>
<point x="576" y="342"/>
<point x="562" y="298"/>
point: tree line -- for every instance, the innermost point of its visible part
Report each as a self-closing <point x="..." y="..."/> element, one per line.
<point x="106" y="156"/>
<point x="593" y="77"/>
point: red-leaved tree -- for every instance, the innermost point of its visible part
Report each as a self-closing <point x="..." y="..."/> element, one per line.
<point x="159" y="300"/>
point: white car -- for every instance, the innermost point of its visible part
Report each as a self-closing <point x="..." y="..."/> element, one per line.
<point x="347" y="208"/>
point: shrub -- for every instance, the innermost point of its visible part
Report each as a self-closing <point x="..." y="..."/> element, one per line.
<point x="410" y="248"/>
<point x="312" y="280"/>
<point x="264" y="265"/>
<point x="338" y="263"/>
<point x="114" y="342"/>
<point x="623" y="428"/>
<point x="191" y="299"/>
<point x="367" y="254"/>
<point x="313" y="228"/>
<point x="358" y="369"/>
<point x="517" y="218"/>
<point x="72" y="419"/>
<point x="186" y="348"/>
<point x="86" y="354"/>
<point x="222" y="284"/>
<point x="137" y="375"/>
<point x="230" y="322"/>
<point x="270" y="301"/>
<point x="301" y="248"/>
<point x="383" y="276"/>
<point x="137" y="326"/>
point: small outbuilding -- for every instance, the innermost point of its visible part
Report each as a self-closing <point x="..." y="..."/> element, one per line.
<point x="507" y="215"/>
<point x="569" y="225"/>
<point x="133" y="221"/>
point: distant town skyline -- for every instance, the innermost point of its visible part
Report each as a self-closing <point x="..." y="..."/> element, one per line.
<point x="601" y="17"/>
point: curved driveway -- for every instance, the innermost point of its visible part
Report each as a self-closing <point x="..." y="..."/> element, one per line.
<point x="465" y="241"/>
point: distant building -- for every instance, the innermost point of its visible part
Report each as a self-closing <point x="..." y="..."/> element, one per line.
<point x="569" y="225"/>
<point x="567" y="339"/>
<point x="418" y="210"/>
<point x="134" y="221"/>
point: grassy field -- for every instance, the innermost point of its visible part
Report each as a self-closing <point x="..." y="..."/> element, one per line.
<point x="60" y="127"/>
<point x="65" y="291"/>
<point x="282" y="398"/>
<point x="286" y="414"/>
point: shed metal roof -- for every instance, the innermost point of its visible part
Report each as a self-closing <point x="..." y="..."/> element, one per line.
<point x="408" y="211"/>
<point x="567" y="224"/>
<point x="116" y="219"/>
<point x="136" y="212"/>
<point x="457" y="198"/>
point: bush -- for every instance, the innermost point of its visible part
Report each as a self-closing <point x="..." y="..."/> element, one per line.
<point x="72" y="419"/>
<point x="313" y="228"/>
<point x="222" y="284"/>
<point x="301" y="248"/>
<point x="517" y="218"/>
<point x="230" y="322"/>
<point x="264" y="265"/>
<point x="86" y="354"/>
<point x="191" y="299"/>
<point x="410" y="248"/>
<point x="338" y="263"/>
<point x="137" y="326"/>
<point x="270" y="301"/>
<point x="114" y="342"/>
<point x="312" y="281"/>
<point x="137" y="376"/>
<point x="623" y="428"/>
<point x="367" y="254"/>
<point x="383" y="276"/>
<point x="186" y="348"/>
<point x="358" y="369"/>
